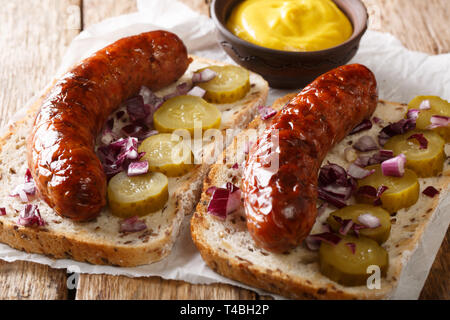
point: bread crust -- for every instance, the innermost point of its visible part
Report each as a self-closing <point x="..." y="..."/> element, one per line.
<point x="63" y="244"/>
<point x="289" y="284"/>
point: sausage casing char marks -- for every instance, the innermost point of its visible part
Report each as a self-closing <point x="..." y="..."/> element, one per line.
<point x="61" y="155"/>
<point x="280" y="204"/>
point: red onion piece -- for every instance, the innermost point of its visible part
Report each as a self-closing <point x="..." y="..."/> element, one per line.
<point x="396" y="128"/>
<point x="136" y="108"/>
<point x="2" y="212"/>
<point x="439" y="121"/>
<point x="137" y="168"/>
<point x="346" y="226"/>
<point x="425" y="105"/>
<point x="352" y="246"/>
<point x="266" y="112"/>
<point x="358" y="172"/>
<point x="335" y="201"/>
<point x="365" y="125"/>
<point x="197" y="91"/>
<point x="132" y="224"/>
<point x="365" y="143"/>
<point x="204" y="75"/>
<point x="224" y="201"/>
<point x="312" y="243"/>
<point x="377" y="120"/>
<point x="29" y="216"/>
<point x="151" y="99"/>
<point x="413" y="114"/>
<point x="116" y="156"/>
<point x="421" y="139"/>
<point x="430" y="191"/>
<point x="25" y="189"/>
<point x="369" y="220"/>
<point x="181" y="89"/>
<point x="235" y="166"/>
<point x="394" y="167"/>
<point x="328" y="237"/>
<point x="210" y="190"/>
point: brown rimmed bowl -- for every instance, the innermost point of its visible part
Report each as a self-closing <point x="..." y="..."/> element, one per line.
<point x="287" y="69"/>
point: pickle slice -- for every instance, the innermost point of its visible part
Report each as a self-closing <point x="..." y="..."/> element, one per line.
<point x="138" y="195"/>
<point x="231" y="84"/>
<point x="167" y="153"/>
<point x="402" y="192"/>
<point x="439" y="107"/>
<point x="425" y="162"/>
<point x="379" y="234"/>
<point x="340" y="264"/>
<point x="181" y="112"/>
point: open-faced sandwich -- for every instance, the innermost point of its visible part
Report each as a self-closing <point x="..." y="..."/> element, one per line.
<point x="327" y="195"/>
<point x="96" y="171"/>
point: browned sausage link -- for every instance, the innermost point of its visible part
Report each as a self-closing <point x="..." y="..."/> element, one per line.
<point x="281" y="204"/>
<point x="61" y="156"/>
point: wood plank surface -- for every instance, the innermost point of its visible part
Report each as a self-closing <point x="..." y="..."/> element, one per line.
<point x="35" y="34"/>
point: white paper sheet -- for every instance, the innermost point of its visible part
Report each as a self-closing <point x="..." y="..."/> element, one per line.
<point x="401" y="74"/>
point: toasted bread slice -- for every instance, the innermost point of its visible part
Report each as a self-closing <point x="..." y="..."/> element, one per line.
<point x="99" y="241"/>
<point x="227" y="247"/>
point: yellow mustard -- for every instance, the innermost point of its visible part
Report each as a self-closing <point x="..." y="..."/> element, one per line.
<point x="290" y="25"/>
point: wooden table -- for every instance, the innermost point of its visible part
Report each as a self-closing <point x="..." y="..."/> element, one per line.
<point x="34" y="35"/>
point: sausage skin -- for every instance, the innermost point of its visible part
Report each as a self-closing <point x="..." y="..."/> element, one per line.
<point x="280" y="203"/>
<point x="61" y="156"/>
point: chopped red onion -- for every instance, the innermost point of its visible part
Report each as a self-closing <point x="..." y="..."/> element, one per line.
<point x="197" y="91"/>
<point x="369" y="220"/>
<point x="328" y="237"/>
<point x="266" y="112"/>
<point x="29" y="216"/>
<point x="423" y="142"/>
<point x="26" y="188"/>
<point x="235" y="166"/>
<point x="396" y="128"/>
<point x="425" y="105"/>
<point x="358" y="172"/>
<point x="430" y="191"/>
<point x="413" y="114"/>
<point x="136" y="108"/>
<point x="116" y="156"/>
<point x="346" y="226"/>
<point x="2" y="212"/>
<point x="338" y="191"/>
<point x="181" y="89"/>
<point x="335" y="185"/>
<point x="137" y="168"/>
<point x="439" y="121"/>
<point x="365" y="143"/>
<point x="365" y="125"/>
<point x="151" y="99"/>
<point x="204" y="75"/>
<point x="211" y="190"/>
<point x="394" y="167"/>
<point x="224" y="201"/>
<point x="120" y="114"/>
<point x="132" y="224"/>
<point x="352" y="246"/>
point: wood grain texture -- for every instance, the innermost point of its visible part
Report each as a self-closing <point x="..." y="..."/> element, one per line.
<point x="34" y="36"/>
<point x="26" y="280"/>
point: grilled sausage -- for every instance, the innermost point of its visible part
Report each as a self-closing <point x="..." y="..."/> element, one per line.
<point x="61" y="155"/>
<point x="280" y="204"/>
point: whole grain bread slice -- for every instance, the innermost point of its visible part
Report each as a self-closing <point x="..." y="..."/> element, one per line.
<point x="227" y="247"/>
<point x="99" y="241"/>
